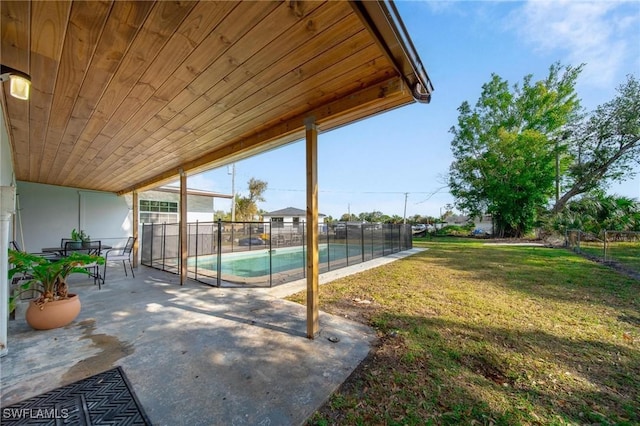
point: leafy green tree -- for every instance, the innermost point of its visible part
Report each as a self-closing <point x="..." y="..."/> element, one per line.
<point x="222" y="215"/>
<point x="395" y="219"/>
<point x="448" y="212"/>
<point x="246" y="206"/>
<point x="520" y="180"/>
<point x="605" y="145"/>
<point x="371" y="217"/>
<point x="416" y="218"/>
<point x="598" y="211"/>
<point x="504" y="148"/>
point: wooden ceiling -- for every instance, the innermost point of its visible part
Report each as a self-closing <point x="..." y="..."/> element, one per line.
<point x="125" y="94"/>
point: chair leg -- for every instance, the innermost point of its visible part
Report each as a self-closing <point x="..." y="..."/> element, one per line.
<point x="124" y="265"/>
<point x="99" y="278"/>
<point x="91" y="270"/>
<point x="131" y="266"/>
<point x="104" y="272"/>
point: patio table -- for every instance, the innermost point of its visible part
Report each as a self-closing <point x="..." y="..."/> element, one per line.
<point x="59" y="251"/>
<point x="93" y="269"/>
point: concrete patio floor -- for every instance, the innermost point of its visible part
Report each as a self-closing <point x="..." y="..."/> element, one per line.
<point x="194" y="355"/>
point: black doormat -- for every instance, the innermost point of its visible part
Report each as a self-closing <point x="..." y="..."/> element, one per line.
<point x="104" y="399"/>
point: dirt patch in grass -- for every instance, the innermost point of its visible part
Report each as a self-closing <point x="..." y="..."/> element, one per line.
<point x="474" y="334"/>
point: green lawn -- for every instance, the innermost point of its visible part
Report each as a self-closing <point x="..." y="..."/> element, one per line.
<point x="625" y="254"/>
<point x="479" y="334"/>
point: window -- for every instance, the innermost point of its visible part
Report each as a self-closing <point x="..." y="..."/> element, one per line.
<point x="158" y="211"/>
<point x="277" y="222"/>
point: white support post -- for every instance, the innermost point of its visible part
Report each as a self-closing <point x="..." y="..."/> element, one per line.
<point x="7" y="209"/>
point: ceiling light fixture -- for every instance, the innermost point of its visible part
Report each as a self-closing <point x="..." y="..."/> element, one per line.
<point x="20" y="83"/>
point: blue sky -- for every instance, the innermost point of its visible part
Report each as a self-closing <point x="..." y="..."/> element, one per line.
<point x="370" y="165"/>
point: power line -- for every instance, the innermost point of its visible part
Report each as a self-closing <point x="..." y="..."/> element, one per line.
<point x="431" y="194"/>
<point x="330" y="191"/>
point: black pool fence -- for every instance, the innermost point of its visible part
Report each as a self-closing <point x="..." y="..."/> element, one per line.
<point x="263" y="254"/>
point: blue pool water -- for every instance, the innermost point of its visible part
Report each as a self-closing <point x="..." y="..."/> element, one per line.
<point x="256" y="264"/>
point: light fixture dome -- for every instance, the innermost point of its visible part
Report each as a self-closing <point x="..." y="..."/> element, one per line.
<point x="19" y="82"/>
<point x="19" y="87"/>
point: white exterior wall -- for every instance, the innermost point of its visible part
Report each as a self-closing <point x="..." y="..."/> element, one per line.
<point x="6" y="162"/>
<point x="48" y="213"/>
<point x="193" y="217"/>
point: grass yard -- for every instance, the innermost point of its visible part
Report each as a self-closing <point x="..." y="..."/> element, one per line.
<point x="626" y="254"/>
<point x="484" y="334"/>
<point x="622" y="253"/>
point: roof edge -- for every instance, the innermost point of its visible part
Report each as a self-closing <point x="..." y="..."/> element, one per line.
<point x="200" y="192"/>
<point x="383" y="21"/>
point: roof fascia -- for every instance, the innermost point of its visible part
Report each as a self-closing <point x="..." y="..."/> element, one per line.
<point x="383" y="21"/>
<point x="200" y="192"/>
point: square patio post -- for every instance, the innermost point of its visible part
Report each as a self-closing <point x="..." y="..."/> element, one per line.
<point x="183" y="252"/>
<point x="312" y="227"/>
<point x="135" y="221"/>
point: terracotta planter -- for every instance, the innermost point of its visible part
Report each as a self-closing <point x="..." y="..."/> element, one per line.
<point x="53" y="314"/>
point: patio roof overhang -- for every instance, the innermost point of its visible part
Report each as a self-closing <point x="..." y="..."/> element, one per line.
<point x="127" y="94"/>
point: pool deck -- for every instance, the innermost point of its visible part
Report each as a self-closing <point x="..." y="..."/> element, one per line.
<point x="194" y="354"/>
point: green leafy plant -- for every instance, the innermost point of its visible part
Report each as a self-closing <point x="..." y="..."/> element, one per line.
<point x="46" y="276"/>
<point x="79" y="235"/>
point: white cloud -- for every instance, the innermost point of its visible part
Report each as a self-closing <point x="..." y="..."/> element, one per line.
<point x="604" y="35"/>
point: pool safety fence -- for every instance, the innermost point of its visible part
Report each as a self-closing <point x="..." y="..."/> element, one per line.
<point x="619" y="247"/>
<point x="265" y="254"/>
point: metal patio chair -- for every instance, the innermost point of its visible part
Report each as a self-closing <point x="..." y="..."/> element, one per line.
<point x="94" y="247"/>
<point x="16" y="246"/>
<point x="122" y="253"/>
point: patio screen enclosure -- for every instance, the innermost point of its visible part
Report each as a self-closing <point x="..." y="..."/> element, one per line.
<point x="265" y="254"/>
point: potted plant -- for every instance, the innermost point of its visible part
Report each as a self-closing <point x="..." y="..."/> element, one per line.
<point x="80" y="238"/>
<point x="55" y="306"/>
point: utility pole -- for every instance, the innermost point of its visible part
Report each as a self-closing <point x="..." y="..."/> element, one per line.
<point x="406" y="195"/>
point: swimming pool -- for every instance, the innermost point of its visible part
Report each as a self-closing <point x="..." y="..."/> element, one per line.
<point x="253" y="264"/>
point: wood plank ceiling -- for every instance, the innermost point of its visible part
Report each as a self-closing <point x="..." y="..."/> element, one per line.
<point x="125" y="94"/>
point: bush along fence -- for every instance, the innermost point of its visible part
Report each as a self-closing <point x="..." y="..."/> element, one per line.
<point x="266" y="254"/>
<point x="620" y="247"/>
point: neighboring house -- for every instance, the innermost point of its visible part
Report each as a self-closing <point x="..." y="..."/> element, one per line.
<point x="289" y="219"/>
<point x="485" y="223"/>
<point x="162" y="205"/>
<point x="456" y="219"/>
